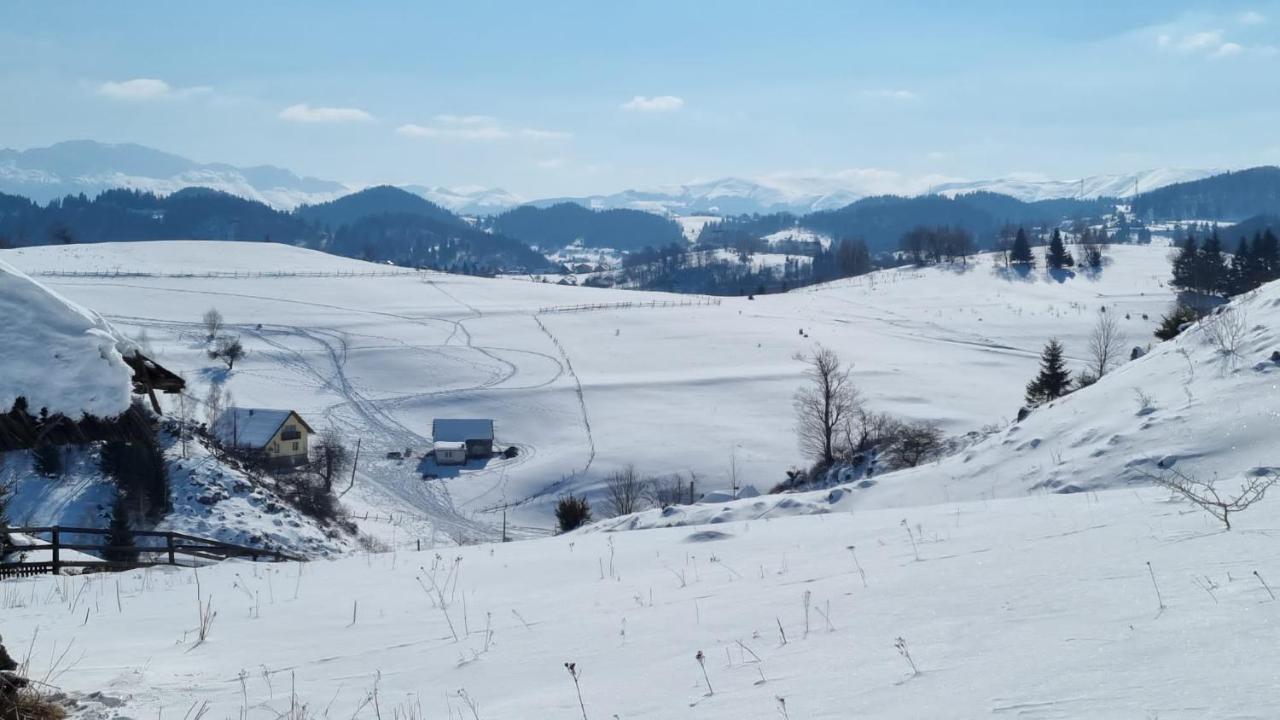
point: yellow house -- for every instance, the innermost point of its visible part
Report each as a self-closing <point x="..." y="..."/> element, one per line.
<point x="280" y="435"/>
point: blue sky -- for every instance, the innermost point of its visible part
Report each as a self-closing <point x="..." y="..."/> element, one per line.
<point x="576" y="97"/>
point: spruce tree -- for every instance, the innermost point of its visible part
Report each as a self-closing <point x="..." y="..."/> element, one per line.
<point x="119" y="536"/>
<point x="1212" y="267"/>
<point x="1266" y="257"/>
<point x="1020" y="254"/>
<point x="1185" y="265"/>
<point x="1054" y="379"/>
<point x="1058" y="257"/>
<point x="1240" y="272"/>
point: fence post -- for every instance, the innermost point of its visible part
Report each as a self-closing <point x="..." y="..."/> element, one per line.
<point x="56" y="542"/>
<point x="168" y="541"/>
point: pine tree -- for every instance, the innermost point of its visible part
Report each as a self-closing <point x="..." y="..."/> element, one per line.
<point x="119" y="536"/>
<point x="1054" y="379"/>
<point x="1020" y="254"/>
<point x="1240" y="272"/>
<point x="1212" y="267"/>
<point x="1185" y="265"/>
<point x="1266" y="258"/>
<point x="1057" y="257"/>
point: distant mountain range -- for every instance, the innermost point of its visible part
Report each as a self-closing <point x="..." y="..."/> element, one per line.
<point x="85" y="166"/>
<point x="89" y="167"/>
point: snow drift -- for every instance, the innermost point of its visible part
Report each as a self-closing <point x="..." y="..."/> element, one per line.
<point x="60" y="356"/>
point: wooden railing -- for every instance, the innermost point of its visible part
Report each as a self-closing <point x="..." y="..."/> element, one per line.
<point x="173" y="548"/>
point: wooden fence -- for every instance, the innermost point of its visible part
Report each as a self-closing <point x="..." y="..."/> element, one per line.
<point x="629" y="305"/>
<point x="230" y="274"/>
<point x="150" y="548"/>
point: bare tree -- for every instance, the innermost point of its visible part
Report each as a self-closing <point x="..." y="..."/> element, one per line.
<point x="1106" y="345"/>
<point x="667" y="491"/>
<point x="184" y="403"/>
<point x="915" y="443"/>
<point x="227" y="349"/>
<point x="1226" y="329"/>
<point x="214" y="403"/>
<point x="866" y="430"/>
<point x="624" y="492"/>
<point x="1205" y="495"/>
<point x="212" y="322"/>
<point x="329" y="457"/>
<point x="824" y="404"/>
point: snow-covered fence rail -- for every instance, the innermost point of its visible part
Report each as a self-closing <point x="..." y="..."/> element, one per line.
<point x="150" y="547"/>
<point x="231" y="274"/>
<point x="695" y="302"/>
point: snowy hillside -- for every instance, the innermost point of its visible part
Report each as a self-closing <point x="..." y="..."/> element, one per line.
<point x="1031" y="189"/>
<point x="1041" y="607"/>
<point x="671" y="387"/>
<point x="1189" y="405"/>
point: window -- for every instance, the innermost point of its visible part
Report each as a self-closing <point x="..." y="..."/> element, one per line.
<point x="295" y="446"/>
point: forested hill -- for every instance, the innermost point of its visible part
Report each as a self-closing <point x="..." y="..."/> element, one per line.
<point x="380" y="200"/>
<point x="1228" y="197"/>
<point x="882" y="221"/>
<point x="564" y="223"/>
<point x="374" y="225"/>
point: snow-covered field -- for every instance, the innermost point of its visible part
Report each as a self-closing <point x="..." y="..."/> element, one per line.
<point x="1039" y="607"/>
<point x="669" y="389"/>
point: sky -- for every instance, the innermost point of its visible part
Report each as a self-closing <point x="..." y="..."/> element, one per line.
<point x="572" y="98"/>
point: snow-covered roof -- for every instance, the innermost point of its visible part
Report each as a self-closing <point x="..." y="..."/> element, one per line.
<point x="250" y="427"/>
<point x="58" y="355"/>
<point x="450" y="445"/>
<point x="450" y="430"/>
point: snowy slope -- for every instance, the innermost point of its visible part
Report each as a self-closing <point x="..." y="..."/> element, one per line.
<point x="59" y="356"/>
<point x="1033" y="188"/>
<point x="671" y="389"/>
<point x="1187" y="405"/>
<point x="1038" y="608"/>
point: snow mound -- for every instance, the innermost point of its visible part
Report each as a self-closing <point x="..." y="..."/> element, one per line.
<point x="60" y="356"/>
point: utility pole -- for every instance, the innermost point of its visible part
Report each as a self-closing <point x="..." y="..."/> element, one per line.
<point x="354" y="463"/>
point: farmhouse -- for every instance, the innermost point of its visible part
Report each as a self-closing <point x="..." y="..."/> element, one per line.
<point x="456" y="441"/>
<point x="280" y="435"/>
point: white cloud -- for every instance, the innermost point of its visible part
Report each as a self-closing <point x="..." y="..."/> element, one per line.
<point x="1227" y="50"/>
<point x="551" y="163"/>
<point x="474" y="128"/>
<point x="1212" y="44"/>
<point x="1251" y="17"/>
<point x="657" y="103"/>
<point x="901" y="95"/>
<point x="304" y="113"/>
<point x="141" y="89"/>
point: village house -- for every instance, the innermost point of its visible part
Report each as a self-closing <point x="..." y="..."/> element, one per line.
<point x="281" y="436"/>
<point x="456" y="441"/>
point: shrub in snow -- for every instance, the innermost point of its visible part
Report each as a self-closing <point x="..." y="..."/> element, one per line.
<point x="915" y="443"/>
<point x="572" y="512"/>
<point x="1175" y="321"/>
<point x="1206" y="495"/>
<point x="625" y="492"/>
<point x="1226" y="329"/>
